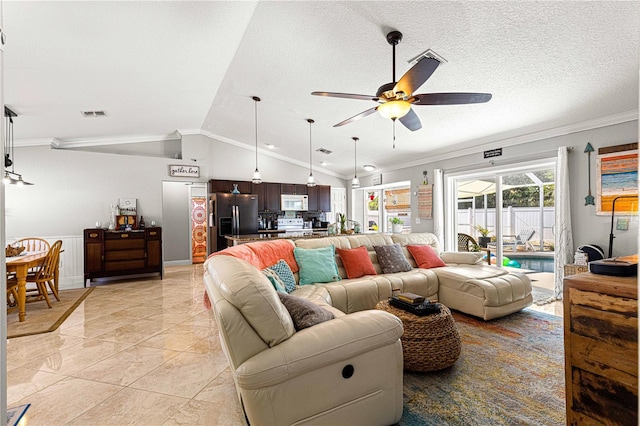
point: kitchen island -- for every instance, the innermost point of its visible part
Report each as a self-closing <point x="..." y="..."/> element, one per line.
<point x="234" y="240"/>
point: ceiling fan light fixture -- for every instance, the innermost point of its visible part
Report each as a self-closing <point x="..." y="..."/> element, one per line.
<point x="394" y="109"/>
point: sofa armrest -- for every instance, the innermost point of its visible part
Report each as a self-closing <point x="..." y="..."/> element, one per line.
<point x="462" y="257"/>
<point x="323" y="344"/>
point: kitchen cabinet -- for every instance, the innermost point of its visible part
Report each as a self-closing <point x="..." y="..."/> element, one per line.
<point x="601" y="349"/>
<point x="272" y="194"/>
<point x="220" y="185"/>
<point x="293" y="188"/>
<point x="116" y="253"/>
<point x="319" y="198"/>
<point x="268" y="196"/>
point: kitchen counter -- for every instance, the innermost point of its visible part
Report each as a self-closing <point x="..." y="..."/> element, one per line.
<point x="241" y="239"/>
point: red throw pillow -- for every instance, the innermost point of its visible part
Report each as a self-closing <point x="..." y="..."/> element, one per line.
<point x="356" y="262"/>
<point x="425" y="257"/>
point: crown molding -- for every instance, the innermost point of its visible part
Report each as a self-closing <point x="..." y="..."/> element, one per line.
<point x="479" y="145"/>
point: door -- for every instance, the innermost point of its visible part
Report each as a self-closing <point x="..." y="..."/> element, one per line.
<point x="338" y="203"/>
<point x="175" y="222"/>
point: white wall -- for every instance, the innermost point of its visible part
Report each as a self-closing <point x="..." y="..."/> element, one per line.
<point x="587" y="227"/>
<point x="74" y="189"/>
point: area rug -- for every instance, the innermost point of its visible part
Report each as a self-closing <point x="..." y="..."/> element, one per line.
<point x="42" y="319"/>
<point x="510" y="372"/>
<point x="542" y="296"/>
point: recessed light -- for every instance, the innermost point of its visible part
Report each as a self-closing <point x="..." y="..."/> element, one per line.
<point x="369" y="167"/>
<point x="323" y="163"/>
<point x="270" y="145"/>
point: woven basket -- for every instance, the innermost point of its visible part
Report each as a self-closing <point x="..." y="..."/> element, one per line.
<point x="573" y="269"/>
<point x="429" y="342"/>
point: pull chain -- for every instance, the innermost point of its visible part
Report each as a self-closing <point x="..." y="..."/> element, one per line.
<point x="394" y="132"/>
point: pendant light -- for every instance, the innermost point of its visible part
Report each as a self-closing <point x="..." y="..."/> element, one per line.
<point x="311" y="181"/>
<point x="256" y="179"/>
<point x="10" y="177"/>
<point x="355" y="182"/>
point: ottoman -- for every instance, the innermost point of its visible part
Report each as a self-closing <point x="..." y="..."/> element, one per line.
<point x="430" y="342"/>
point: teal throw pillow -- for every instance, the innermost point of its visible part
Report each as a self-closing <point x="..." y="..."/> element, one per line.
<point x="277" y="283"/>
<point x="284" y="273"/>
<point x="317" y="265"/>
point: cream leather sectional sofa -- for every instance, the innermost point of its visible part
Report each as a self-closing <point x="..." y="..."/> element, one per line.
<point x="347" y="370"/>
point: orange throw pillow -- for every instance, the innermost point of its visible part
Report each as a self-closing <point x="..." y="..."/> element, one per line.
<point x="356" y="262"/>
<point x="425" y="257"/>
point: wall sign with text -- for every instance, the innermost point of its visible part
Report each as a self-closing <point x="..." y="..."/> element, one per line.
<point x="184" y="171"/>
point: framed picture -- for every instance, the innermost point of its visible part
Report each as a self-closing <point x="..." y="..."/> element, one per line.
<point x="617" y="175"/>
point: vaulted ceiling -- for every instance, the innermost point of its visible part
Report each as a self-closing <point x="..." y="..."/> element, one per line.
<point x="160" y="67"/>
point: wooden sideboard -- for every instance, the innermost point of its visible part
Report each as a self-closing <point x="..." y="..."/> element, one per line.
<point x="601" y="349"/>
<point x="120" y="253"/>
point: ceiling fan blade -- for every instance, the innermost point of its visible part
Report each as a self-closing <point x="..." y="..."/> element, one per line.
<point x="416" y="76"/>
<point x="347" y="96"/>
<point x="411" y="121"/>
<point x="357" y="117"/>
<point x="450" y="98"/>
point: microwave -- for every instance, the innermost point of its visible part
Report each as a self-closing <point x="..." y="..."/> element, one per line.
<point x="290" y="202"/>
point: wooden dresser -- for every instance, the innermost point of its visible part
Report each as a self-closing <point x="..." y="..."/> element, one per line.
<point x="601" y="349"/>
<point x="119" y="253"/>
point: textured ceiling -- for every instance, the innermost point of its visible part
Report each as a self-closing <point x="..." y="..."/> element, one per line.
<point x="157" y="67"/>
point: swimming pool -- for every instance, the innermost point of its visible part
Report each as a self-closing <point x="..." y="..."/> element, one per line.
<point x="538" y="264"/>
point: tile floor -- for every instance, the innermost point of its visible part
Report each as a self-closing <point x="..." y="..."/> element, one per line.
<point x="136" y="352"/>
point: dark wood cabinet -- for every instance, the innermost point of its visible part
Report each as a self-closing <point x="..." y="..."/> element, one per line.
<point x="293" y="188"/>
<point x="319" y="198"/>
<point x="272" y="195"/>
<point x="220" y="185"/>
<point x="268" y="196"/>
<point x="324" y="198"/>
<point x="116" y="253"/>
<point x="601" y="349"/>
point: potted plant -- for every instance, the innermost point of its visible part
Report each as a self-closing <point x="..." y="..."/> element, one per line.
<point x="484" y="239"/>
<point x="396" y="225"/>
<point x="342" y="218"/>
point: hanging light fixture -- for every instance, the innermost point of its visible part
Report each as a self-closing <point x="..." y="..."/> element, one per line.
<point x="311" y="181"/>
<point x="257" y="179"/>
<point x="10" y="177"/>
<point x="355" y="182"/>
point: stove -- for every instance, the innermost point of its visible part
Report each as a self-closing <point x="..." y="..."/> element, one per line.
<point x="291" y="225"/>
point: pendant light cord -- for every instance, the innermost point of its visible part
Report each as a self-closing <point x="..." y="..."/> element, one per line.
<point x="255" y="104"/>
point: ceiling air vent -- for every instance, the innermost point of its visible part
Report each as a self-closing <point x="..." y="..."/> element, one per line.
<point x="324" y="151"/>
<point x="90" y="114"/>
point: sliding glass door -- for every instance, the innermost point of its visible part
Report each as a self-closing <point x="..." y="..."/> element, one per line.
<point x="507" y="214"/>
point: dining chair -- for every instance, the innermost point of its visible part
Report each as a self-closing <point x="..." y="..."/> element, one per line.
<point x="34" y="244"/>
<point x="12" y="290"/>
<point x="45" y="275"/>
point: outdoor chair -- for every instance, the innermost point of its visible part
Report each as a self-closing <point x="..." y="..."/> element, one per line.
<point x="520" y="241"/>
<point x="466" y="243"/>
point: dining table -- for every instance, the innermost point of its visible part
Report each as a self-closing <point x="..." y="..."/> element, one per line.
<point x="20" y="266"/>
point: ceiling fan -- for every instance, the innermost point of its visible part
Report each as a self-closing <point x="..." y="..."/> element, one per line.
<point x="395" y="99"/>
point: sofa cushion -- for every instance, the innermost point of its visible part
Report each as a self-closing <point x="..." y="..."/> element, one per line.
<point x="249" y="290"/>
<point x="357" y="262"/>
<point x="316" y="265"/>
<point x="462" y="257"/>
<point x="285" y="275"/>
<point x="274" y="279"/>
<point x="391" y="259"/>
<point x="303" y="312"/>
<point x="425" y="257"/>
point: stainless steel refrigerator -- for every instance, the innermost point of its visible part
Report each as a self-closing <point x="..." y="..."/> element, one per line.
<point x="231" y="214"/>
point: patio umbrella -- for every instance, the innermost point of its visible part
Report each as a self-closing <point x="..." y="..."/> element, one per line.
<point x="473" y="188"/>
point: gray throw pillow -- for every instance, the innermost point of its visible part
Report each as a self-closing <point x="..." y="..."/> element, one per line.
<point x="304" y="313"/>
<point x="391" y="259"/>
